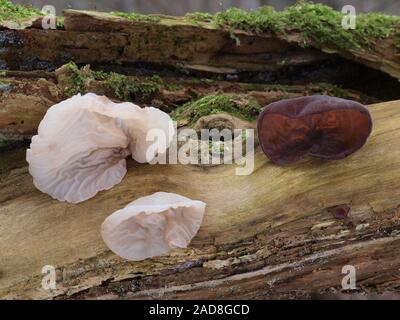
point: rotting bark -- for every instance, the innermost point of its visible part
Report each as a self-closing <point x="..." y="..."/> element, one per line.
<point x="203" y="42"/>
<point x="27" y="95"/>
<point x="270" y="234"/>
<point x="179" y="45"/>
<point x="170" y="41"/>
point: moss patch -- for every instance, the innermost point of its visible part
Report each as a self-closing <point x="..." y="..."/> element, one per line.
<point x="258" y="21"/>
<point x="16" y="12"/>
<point x="124" y="87"/>
<point x="199" y="17"/>
<point x="133" y="16"/>
<point x="317" y="23"/>
<point x="60" y="22"/>
<point x="75" y="80"/>
<point x="130" y="88"/>
<point x="321" y="24"/>
<point x="240" y="106"/>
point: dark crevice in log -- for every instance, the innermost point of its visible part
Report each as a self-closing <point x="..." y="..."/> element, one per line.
<point x="341" y="72"/>
<point x="337" y="71"/>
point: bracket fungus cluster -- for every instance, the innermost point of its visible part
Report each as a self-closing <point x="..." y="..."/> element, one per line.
<point x="317" y="126"/>
<point x="153" y="225"/>
<point x="82" y="143"/>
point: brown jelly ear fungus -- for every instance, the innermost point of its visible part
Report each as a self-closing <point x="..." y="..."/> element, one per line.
<point x="317" y="126"/>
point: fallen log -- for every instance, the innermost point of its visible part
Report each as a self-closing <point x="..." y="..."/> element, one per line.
<point x="263" y="44"/>
<point x="28" y="94"/>
<point x="267" y="235"/>
<point x="276" y="233"/>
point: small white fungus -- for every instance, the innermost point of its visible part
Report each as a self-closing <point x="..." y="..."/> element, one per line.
<point x="153" y="225"/>
<point x="82" y="143"/>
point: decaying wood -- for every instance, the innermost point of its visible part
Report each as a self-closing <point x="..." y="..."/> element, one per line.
<point x="91" y="37"/>
<point x="269" y="234"/>
<point x="96" y="37"/>
<point x="204" y="44"/>
<point x="29" y="94"/>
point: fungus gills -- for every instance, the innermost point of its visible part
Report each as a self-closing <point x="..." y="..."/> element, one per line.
<point x="317" y="126"/>
<point x="82" y="143"/>
<point x="153" y="225"/>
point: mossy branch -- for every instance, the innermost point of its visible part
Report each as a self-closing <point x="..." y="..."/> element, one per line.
<point x="317" y="23"/>
<point x="239" y="106"/>
<point x="16" y="12"/>
<point x="74" y="80"/>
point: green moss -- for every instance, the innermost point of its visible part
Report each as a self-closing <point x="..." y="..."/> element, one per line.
<point x="136" y="16"/>
<point x="377" y="26"/>
<point x="317" y="23"/>
<point x="76" y="80"/>
<point x="321" y="24"/>
<point x="124" y="87"/>
<point x="240" y="106"/>
<point x="60" y="22"/>
<point x="130" y="88"/>
<point x="16" y="12"/>
<point x="257" y="21"/>
<point x="100" y="75"/>
<point x="198" y="17"/>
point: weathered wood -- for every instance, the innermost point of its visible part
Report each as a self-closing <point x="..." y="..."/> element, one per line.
<point x="96" y="37"/>
<point x="203" y="44"/>
<point x="269" y="234"/>
<point x="29" y="94"/>
<point x="92" y="37"/>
